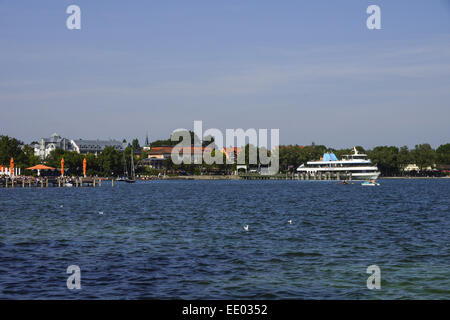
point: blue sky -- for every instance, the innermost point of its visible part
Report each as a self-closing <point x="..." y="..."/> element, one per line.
<point x="310" y="68"/>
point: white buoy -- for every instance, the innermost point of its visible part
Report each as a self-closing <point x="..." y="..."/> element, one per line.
<point x="100" y="212"/>
<point x="290" y="221"/>
<point x="246" y="228"/>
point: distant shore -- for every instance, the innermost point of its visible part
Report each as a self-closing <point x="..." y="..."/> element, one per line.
<point x="446" y="177"/>
<point x="234" y="177"/>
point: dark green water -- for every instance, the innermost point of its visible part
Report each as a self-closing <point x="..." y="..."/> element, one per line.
<point x="186" y="239"/>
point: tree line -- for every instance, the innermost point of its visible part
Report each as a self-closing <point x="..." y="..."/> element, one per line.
<point x="390" y="160"/>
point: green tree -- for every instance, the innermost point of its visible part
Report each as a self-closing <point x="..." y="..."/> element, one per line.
<point x="443" y="154"/>
<point x="386" y="158"/>
<point x="404" y="158"/>
<point x="135" y="145"/>
<point x="11" y="148"/>
<point x="110" y="161"/>
<point x="92" y="164"/>
<point x="73" y="162"/>
<point x="423" y="155"/>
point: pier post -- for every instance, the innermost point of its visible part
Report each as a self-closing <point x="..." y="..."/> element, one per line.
<point x="6" y="182"/>
<point x="338" y="176"/>
<point x="12" y="183"/>
<point x="93" y="184"/>
<point x="81" y="181"/>
<point x="112" y="182"/>
<point x="100" y="183"/>
<point x="350" y="176"/>
<point x="42" y="182"/>
<point x="46" y="182"/>
<point x="29" y="183"/>
<point x="23" y="183"/>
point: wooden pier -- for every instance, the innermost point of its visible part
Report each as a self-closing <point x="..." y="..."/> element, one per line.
<point x="51" y="182"/>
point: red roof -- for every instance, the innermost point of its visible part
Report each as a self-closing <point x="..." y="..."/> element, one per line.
<point x="167" y="150"/>
<point x="232" y="149"/>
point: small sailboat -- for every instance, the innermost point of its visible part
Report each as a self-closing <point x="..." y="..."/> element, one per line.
<point x="131" y="178"/>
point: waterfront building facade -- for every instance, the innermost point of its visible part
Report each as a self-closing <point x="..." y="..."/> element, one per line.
<point x="157" y="155"/>
<point x="95" y="146"/>
<point x="46" y="145"/>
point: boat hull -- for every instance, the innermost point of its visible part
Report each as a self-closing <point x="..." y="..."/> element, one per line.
<point x="345" y="175"/>
<point x="365" y="176"/>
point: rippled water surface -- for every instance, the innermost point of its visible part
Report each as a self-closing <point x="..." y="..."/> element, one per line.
<point x="186" y="239"/>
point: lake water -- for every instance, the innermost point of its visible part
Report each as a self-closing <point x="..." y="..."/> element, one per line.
<point x="186" y="239"/>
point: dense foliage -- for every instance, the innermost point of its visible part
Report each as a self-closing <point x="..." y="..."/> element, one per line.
<point x="391" y="160"/>
<point x="12" y="148"/>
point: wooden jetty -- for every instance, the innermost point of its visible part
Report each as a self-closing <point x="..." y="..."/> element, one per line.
<point x="48" y="182"/>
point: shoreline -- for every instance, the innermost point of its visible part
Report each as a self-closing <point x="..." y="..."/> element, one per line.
<point x="234" y="177"/>
<point x="409" y="178"/>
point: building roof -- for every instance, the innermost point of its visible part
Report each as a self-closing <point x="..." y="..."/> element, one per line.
<point x="169" y="149"/>
<point x="161" y="150"/>
<point x="55" y="138"/>
<point x="329" y="157"/>
<point x="97" y="143"/>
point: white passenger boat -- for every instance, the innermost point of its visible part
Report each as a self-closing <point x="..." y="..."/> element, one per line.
<point x="356" y="165"/>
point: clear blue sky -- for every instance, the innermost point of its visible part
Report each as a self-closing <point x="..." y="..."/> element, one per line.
<point x="310" y="68"/>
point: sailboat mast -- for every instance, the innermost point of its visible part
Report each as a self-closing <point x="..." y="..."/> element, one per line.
<point x="125" y="169"/>
<point x="132" y="164"/>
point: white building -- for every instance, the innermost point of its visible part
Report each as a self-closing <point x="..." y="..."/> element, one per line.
<point x="415" y="167"/>
<point x="96" y="146"/>
<point x="47" y="145"/>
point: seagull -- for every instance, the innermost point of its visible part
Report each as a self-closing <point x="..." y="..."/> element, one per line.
<point x="290" y="221"/>
<point x="246" y="228"/>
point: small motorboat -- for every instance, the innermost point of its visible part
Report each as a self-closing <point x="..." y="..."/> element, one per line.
<point x="370" y="183"/>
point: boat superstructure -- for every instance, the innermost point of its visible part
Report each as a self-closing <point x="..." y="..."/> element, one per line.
<point x="355" y="165"/>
